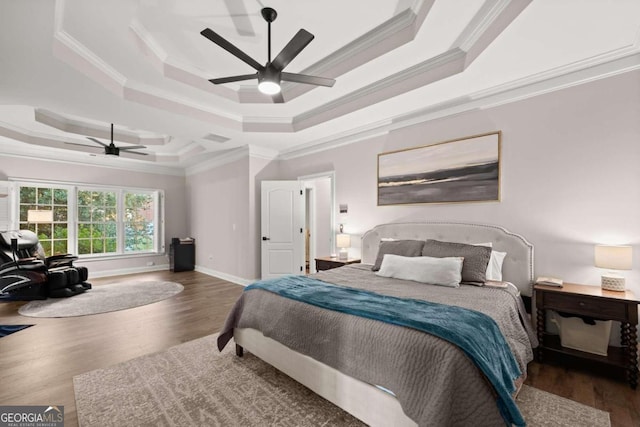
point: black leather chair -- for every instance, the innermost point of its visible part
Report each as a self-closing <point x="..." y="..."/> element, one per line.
<point x="26" y="273"/>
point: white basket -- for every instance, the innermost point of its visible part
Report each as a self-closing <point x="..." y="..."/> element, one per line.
<point x="576" y="334"/>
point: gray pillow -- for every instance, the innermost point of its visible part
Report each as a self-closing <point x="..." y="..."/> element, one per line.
<point x="398" y="247"/>
<point x="476" y="258"/>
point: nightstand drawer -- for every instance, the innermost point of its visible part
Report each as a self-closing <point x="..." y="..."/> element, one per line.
<point x="604" y="309"/>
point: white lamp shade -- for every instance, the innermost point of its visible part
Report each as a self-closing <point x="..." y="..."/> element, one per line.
<point x="36" y="216"/>
<point x="343" y="240"/>
<point x="613" y="257"/>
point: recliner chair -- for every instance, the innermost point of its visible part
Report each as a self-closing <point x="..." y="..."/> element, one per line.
<point x="26" y="273"/>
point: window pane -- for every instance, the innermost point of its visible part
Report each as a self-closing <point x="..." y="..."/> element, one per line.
<point x="97" y="215"/>
<point x="60" y="213"/>
<point x="44" y="231"/>
<point x="28" y="195"/>
<point x="84" y="213"/>
<point x="109" y="198"/>
<point x="97" y="198"/>
<point x="84" y="198"/>
<point x="45" y="196"/>
<point x="98" y="246"/>
<point x="59" y="247"/>
<point x="110" y="230"/>
<point x="84" y="246"/>
<point x="60" y="196"/>
<point x="97" y="230"/>
<point x="110" y="245"/>
<point x="84" y="231"/>
<point x="110" y="214"/>
<point x="60" y="232"/>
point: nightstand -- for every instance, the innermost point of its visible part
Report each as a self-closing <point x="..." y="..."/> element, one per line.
<point x="327" y="263"/>
<point x="600" y="304"/>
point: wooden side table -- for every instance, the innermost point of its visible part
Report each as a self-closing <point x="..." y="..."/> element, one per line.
<point x="327" y="263"/>
<point x="600" y="304"/>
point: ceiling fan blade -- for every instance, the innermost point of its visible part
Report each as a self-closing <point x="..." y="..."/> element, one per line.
<point x="99" y="142"/>
<point x="136" y="152"/>
<point x="81" y="145"/>
<point x="234" y="78"/>
<point x="310" y="80"/>
<point x="278" y="98"/>
<point x="217" y="39"/>
<point x="292" y="49"/>
<point x="132" y="147"/>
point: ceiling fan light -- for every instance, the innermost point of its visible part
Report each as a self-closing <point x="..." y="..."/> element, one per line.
<point x="268" y="87"/>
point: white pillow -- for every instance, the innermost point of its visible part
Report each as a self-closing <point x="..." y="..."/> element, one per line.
<point x="494" y="268"/>
<point x="434" y="271"/>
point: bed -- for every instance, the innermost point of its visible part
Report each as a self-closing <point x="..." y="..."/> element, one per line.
<point x="388" y="374"/>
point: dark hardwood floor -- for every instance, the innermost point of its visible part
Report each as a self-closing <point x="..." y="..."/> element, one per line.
<point x="37" y="364"/>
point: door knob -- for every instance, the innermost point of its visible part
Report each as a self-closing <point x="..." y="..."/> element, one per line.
<point x="265" y="238"/>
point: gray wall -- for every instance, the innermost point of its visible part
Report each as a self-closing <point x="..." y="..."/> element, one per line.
<point x="570" y="174"/>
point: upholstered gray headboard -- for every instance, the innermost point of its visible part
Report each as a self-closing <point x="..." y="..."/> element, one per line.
<point x="518" y="264"/>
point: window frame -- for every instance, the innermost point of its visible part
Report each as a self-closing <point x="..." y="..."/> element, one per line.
<point x="73" y="190"/>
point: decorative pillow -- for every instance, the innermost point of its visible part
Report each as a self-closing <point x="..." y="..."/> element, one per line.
<point x="494" y="268"/>
<point x="476" y="258"/>
<point x="424" y="269"/>
<point x="407" y="248"/>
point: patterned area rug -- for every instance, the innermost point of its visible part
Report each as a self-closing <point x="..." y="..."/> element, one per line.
<point x="102" y="299"/>
<point x="192" y="384"/>
<point x="9" y="329"/>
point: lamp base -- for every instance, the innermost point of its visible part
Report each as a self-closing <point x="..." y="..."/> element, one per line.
<point x="343" y="255"/>
<point x="612" y="282"/>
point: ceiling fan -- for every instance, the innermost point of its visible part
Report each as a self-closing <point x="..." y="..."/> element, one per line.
<point x="111" y="149"/>
<point x="270" y="75"/>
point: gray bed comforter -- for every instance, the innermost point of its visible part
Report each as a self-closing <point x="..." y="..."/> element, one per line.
<point x="434" y="381"/>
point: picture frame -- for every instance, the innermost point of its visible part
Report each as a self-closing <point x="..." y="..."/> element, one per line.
<point x="459" y="170"/>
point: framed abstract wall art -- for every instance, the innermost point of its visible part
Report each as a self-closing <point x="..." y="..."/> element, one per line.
<point x="454" y="171"/>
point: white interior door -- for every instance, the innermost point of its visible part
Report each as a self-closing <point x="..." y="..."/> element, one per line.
<point x="282" y="228"/>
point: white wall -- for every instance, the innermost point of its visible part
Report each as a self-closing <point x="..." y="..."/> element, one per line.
<point x="570" y="175"/>
<point x="173" y="186"/>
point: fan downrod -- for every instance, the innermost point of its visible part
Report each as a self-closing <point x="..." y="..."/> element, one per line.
<point x="269" y="14"/>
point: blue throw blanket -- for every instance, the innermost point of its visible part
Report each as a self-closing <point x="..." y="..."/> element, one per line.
<point x="488" y="350"/>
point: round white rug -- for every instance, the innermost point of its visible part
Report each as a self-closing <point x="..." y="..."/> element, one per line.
<point x="102" y="299"/>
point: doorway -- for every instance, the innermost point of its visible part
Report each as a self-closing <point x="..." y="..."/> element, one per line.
<point x="319" y="217"/>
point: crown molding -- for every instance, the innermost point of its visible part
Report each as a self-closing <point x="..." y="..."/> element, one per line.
<point x="609" y="64"/>
<point x="86" y="127"/>
<point x="226" y="157"/>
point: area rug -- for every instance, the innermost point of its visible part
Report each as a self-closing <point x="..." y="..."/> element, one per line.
<point x="102" y="299"/>
<point x="10" y="329"/>
<point x="193" y="384"/>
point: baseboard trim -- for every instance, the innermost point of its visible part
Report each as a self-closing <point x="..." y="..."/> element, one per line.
<point x="224" y="276"/>
<point x="122" y="271"/>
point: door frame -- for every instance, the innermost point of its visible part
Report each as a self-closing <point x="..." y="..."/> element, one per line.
<point x="311" y="214"/>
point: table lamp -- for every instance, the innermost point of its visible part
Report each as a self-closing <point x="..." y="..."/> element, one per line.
<point x="613" y="258"/>
<point x="343" y="241"/>
<point x="36" y="216"/>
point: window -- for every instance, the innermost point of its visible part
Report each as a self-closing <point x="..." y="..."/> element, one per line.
<point x="138" y="222"/>
<point x="97" y="222"/>
<point x="52" y="235"/>
<point x="93" y="221"/>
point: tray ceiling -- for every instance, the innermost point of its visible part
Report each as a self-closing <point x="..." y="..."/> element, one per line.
<point x="72" y="67"/>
